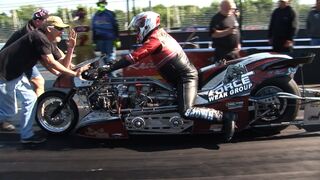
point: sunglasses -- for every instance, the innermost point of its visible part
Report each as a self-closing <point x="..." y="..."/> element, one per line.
<point x="59" y="28"/>
<point x="40" y="19"/>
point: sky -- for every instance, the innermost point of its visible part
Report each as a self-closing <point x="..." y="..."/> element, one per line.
<point x="51" y="5"/>
<point x="6" y="5"/>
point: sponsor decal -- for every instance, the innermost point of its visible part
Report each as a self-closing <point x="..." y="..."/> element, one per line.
<point x="235" y="105"/>
<point x="236" y="86"/>
<point x="203" y="113"/>
<point x="98" y="133"/>
<point x="312" y="114"/>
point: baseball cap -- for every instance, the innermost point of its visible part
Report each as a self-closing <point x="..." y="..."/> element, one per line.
<point x="56" y="21"/>
<point x="233" y="5"/>
<point x="102" y="2"/>
<point x="40" y="14"/>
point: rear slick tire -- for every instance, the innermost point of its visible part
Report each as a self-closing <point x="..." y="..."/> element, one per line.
<point x="286" y="109"/>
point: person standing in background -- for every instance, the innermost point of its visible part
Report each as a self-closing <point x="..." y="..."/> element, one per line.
<point x="313" y="24"/>
<point x="105" y="31"/>
<point x="283" y="27"/>
<point x="224" y="30"/>
<point x="81" y="25"/>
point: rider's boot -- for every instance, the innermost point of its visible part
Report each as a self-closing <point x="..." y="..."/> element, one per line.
<point x="229" y="122"/>
<point x="214" y="116"/>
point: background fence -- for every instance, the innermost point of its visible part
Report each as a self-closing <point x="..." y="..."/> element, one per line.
<point x="255" y="14"/>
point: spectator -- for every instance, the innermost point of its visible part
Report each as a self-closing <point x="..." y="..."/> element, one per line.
<point x="81" y="25"/>
<point x="313" y="24"/>
<point x="224" y="30"/>
<point x="105" y="30"/>
<point x="22" y="55"/>
<point x="33" y="74"/>
<point x="282" y="27"/>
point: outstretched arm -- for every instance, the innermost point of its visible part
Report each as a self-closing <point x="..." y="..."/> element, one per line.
<point x="54" y="66"/>
<point x="114" y="65"/>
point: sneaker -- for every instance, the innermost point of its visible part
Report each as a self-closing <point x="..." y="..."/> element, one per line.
<point x="6" y="126"/>
<point x="35" y="139"/>
<point x="229" y="123"/>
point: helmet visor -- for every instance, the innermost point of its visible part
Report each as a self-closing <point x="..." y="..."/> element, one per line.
<point x="137" y="23"/>
<point x="131" y="25"/>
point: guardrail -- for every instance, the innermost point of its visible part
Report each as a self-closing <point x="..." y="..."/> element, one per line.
<point x="309" y="74"/>
<point x="245" y="43"/>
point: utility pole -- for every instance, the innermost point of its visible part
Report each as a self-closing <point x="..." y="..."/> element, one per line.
<point x="150" y="7"/>
<point x="177" y="14"/>
<point x="64" y="15"/>
<point x="133" y="7"/>
<point x="128" y="15"/>
<point x="15" y="20"/>
<point x="168" y="19"/>
<point x="240" y="19"/>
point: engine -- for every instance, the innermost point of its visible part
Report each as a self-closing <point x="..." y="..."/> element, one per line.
<point x="146" y="105"/>
<point x="130" y="93"/>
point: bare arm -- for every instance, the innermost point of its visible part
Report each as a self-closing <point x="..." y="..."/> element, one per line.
<point x="54" y="66"/>
<point x="53" y="71"/>
<point x="66" y="59"/>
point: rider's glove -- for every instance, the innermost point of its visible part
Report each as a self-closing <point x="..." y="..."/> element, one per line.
<point x="113" y="65"/>
<point x="117" y="44"/>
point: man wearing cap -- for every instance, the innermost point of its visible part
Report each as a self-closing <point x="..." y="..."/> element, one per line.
<point x="32" y="74"/>
<point x="105" y="30"/>
<point x="282" y="27"/>
<point x="22" y="55"/>
<point x="224" y="30"/>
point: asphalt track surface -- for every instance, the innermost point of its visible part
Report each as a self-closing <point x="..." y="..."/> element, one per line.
<point x="292" y="154"/>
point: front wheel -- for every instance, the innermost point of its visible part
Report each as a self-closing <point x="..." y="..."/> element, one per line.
<point x="275" y="110"/>
<point x="64" y="121"/>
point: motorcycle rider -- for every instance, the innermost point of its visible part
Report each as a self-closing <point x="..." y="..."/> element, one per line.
<point x="174" y="66"/>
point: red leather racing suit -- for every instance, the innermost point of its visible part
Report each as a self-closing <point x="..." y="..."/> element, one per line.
<point x="174" y="66"/>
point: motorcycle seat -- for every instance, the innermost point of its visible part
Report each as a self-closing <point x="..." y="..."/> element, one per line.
<point x="207" y="72"/>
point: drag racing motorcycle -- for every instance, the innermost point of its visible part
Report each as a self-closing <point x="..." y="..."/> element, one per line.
<point x="259" y="88"/>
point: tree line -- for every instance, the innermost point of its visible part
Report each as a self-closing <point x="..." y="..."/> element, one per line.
<point x="255" y="15"/>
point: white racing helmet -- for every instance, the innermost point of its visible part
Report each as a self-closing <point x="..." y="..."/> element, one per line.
<point x="144" y="23"/>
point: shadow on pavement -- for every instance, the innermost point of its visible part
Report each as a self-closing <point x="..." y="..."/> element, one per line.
<point x="247" y="136"/>
<point x="145" y="143"/>
<point x="137" y="143"/>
